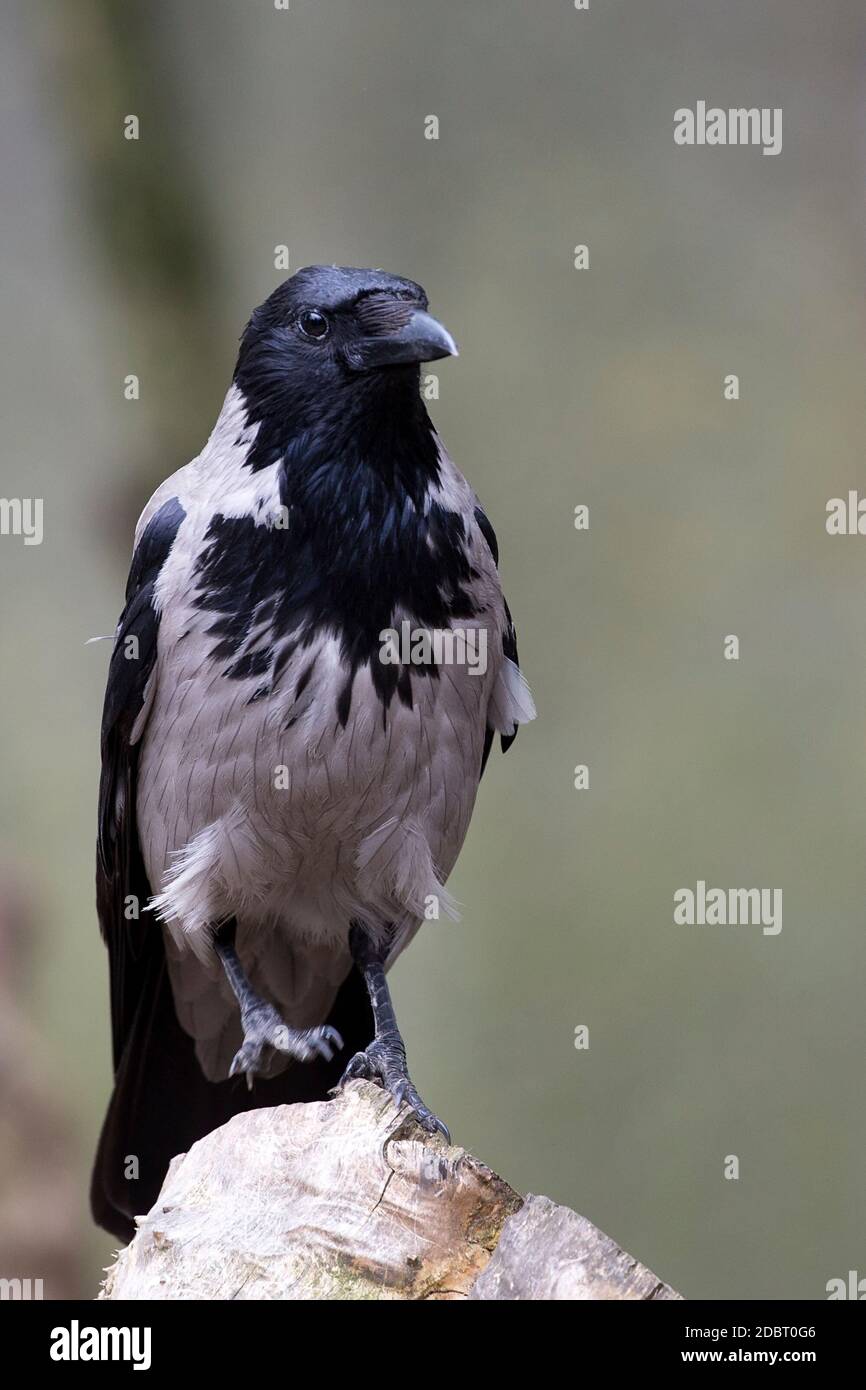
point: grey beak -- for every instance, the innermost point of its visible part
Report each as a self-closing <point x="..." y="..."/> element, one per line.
<point x="422" y="339"/>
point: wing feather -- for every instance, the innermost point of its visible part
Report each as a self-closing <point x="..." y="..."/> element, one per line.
<point x="122" y="889"/>
<point x="520" y="708"/>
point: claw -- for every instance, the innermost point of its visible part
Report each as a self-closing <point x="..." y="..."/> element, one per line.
<point x="357" y="1066"/>
<point x="325" y="1040"/>
<point x="270" y="1031"/>
<point x="387" y="1064"/>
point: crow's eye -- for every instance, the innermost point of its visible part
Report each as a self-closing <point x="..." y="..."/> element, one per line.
<point x="313" y="324"/>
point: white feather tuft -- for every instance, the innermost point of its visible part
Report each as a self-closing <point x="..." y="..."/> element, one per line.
<point x="511" y="701"/>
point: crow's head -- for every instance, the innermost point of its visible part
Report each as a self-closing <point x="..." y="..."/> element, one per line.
<point x="331" y="333"/>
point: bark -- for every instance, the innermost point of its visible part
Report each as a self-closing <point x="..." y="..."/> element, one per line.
<point x="349" y="1199"/>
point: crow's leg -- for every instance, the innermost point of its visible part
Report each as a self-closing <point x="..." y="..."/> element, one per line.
<point x="385" y="1059"/>
<point x="263" y="1027"/>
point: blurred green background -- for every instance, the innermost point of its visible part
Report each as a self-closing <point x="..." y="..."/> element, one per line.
<point x="604" y="387"/>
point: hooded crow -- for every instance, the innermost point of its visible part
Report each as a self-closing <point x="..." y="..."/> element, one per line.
<point x="313" y="660"/>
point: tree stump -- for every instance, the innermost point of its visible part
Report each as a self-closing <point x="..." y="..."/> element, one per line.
<point x="351" y="1199"/>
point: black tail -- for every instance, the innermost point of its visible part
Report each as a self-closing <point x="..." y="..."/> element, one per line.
<point x="162" y="1102"/>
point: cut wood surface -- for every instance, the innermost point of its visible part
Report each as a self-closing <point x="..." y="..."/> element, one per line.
<point x="349" y="1199"/>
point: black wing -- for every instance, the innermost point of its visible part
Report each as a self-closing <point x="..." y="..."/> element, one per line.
<point x="122" y="889"/>
<point x="509" y="637"/>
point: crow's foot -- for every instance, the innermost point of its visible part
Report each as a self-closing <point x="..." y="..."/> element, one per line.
<point x="264" y="1028"/>
<point x="385" y="1061"/>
